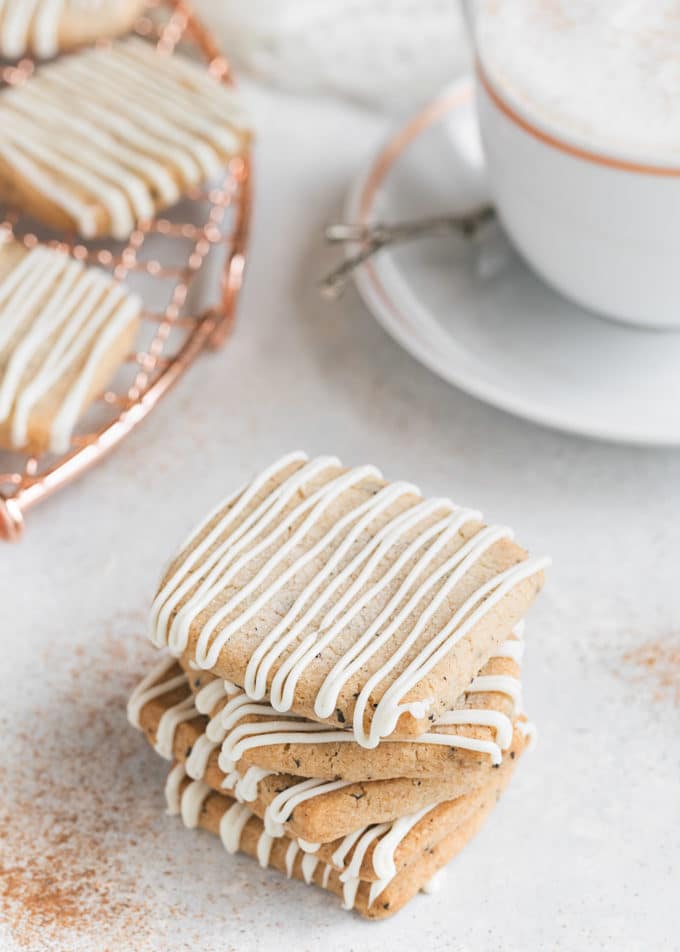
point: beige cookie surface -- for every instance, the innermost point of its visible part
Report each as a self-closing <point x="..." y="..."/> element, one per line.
<point x="43" y="28"/>
<point x="241" y="830"/>
<point x="103" y="139"/>
<point x="317" y="811"/>
<point x="344" y="598"/>
<point x="64" y="330"/>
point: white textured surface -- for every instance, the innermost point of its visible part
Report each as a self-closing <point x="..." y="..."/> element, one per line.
<point x="583" y="851"/>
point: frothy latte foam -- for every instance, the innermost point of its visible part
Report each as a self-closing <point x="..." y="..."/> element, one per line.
<point x="605" y="73"/>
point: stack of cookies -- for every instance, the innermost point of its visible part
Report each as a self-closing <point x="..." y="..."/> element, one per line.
<point x="341" y="696"/>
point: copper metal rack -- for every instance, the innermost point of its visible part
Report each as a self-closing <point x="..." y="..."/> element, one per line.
<point x="206" y="234"/>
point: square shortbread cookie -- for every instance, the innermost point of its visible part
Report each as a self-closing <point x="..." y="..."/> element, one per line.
<point x="345" y="598"/>
<point x="101" y="140"/>
<point x="64" y="330"/>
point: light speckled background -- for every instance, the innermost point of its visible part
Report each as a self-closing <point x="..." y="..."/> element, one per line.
<point x="582" y="853"/>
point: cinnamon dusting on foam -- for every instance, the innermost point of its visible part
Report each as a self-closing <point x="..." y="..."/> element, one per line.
<point x="602" y="71"/>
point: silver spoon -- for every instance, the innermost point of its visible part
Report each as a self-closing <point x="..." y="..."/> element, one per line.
<point x="375" y="237"/>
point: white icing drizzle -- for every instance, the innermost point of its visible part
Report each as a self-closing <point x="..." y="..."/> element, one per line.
<point x="226" y="551"/>
<point x="245" y="788"/>
<point x="308" y="847"/>
<point x="65" y="134"/>
<point x="181" y="582"/>
<point x="264" y="848"/>
<point x="58" y="317"/>
<point x="197" y="761"/>
<point x="15" y="22"/>
<point x="434" y="884"/>
<point x="496" y="720"/>
<point x="338" y="857"/>
<point x="172" y="786"/>
<point x="34" y="24"/>
<point x="291" y="853"/>
<point x="370" y="835"/>
<point x="167" y="726"/>
<point x="383" y="853"/>
<point x="528" y="729"/>
<point x="489" y="594"/>
<point x="279" y="810"/>
<point x="193" y="798"/>
<point x="308" y="865"/>
<point x="376" y="889"/>
<point x="312" y="508"/>
<point x="513" y="649"/>
<point x="155" y="684"/>
<point x="232" y="824"/>
<point x="190" y="802"/>
<point x="500" y="683"/>
<point x="209" y="696"/>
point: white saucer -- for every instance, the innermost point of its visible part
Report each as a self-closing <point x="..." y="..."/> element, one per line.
<point x="480" y="318"/>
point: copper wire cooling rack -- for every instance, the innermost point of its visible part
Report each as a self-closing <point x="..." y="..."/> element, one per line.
<point x="206" y="234"/>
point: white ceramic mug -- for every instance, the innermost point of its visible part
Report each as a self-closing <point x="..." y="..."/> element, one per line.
<point x="602" y="228"/>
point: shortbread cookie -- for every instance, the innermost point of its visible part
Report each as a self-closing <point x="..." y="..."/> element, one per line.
<point x="344" y="598"/>
<point x="241" y="830"/>
<point x="103" y="139"/>
<point x="314" y="810"/>
<point x="44" y="28"/>
<point x="373" y="852"/>
<point x="64" y="330"/>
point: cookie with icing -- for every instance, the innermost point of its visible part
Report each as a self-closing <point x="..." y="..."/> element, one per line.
<point x="103" y="139"/>
<point x="315" y="810"/>
<point x="344" y="598"/>
<point x="43" y="28"/>
<point x="64" y="330"/>
<point x="404" y="856"/>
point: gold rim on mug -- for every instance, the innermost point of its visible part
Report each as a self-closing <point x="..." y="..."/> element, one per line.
<point x="587" y="155"/>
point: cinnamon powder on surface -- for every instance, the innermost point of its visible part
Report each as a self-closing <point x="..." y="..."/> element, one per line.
<point x="75" y="812"/>
<point x="658" y="663"/>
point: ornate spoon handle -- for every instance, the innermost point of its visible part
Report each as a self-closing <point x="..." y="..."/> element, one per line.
<point x="375" y="237"/>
